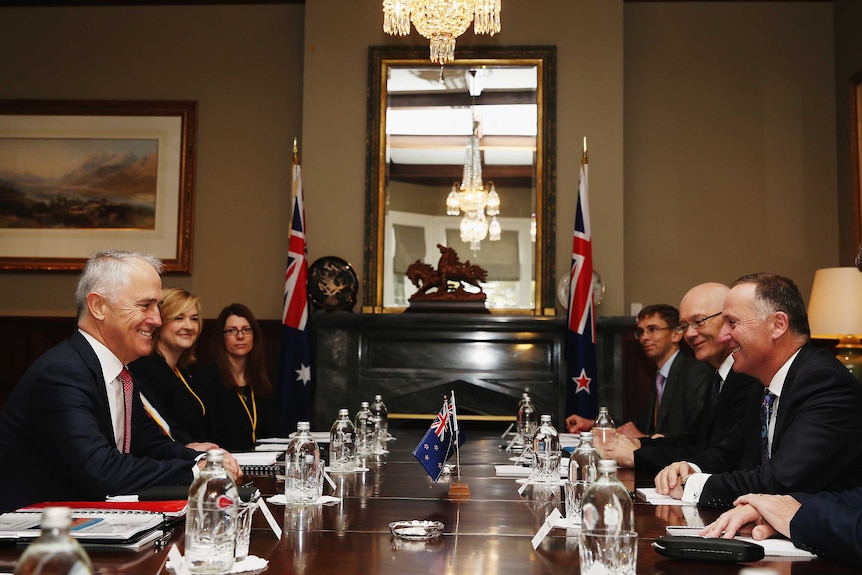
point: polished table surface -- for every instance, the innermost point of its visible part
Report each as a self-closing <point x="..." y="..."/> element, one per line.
<point x="488" y="533"/>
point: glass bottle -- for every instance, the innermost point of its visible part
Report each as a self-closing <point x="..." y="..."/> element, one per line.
<point x="527" y="423"/>
<point x="55" y="552"/>
<point x="380" y="416"/>
<point x="342" y="444"/>
<point x="604" y="430"/>
<point x="546" y="452"/>
<point x="607" y="505"/>
<point x="583" y="464"/>
<point x="211" y="518"/>
<point x="364" y="430"/>
<point x="303" y="471"/>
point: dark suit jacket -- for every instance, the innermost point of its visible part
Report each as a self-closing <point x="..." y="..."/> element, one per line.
<point x="830" y="525"/>
<point x="814" y="445"/>
<point x="57" y="440"/>
<point x="682" y="400"/>
<point x="174" y="402"/>
<point x="725" y="420"/>
<point x="231" y="423"/>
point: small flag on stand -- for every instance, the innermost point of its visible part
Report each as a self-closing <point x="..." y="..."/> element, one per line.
<point x="438" y="444"/>
<point x="582" y="389"/>
<point x="296" y="392"/>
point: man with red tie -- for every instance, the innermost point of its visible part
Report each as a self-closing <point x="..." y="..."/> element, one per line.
<point x="72" y="428"/>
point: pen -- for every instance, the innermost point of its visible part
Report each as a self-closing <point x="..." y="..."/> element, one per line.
<point x="162" y="541"/>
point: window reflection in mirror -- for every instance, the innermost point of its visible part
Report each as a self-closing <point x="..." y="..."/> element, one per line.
<point x="426" y="118"/>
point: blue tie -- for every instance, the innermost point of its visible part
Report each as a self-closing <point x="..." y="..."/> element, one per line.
<point x="765" y="416"/>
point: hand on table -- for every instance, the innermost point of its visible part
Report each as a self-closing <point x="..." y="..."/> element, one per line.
<point x="623" y="451"/>
<point x="576" y="423"/>
<point x="669" y="480"/>
<point x="770" y="514"/>
<point x="629" y="429"/>
<point x="202" y="446"/>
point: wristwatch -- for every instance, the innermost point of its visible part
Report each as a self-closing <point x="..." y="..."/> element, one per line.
<point x="684" y="479"/>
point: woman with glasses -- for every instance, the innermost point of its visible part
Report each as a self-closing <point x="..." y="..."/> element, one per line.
<point x="237" y="382"/>
<point x="168" y="391"/>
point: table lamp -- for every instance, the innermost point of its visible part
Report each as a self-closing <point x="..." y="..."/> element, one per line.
<point x="835" y="312"/>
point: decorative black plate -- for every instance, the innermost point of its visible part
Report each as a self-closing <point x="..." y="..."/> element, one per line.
<point x="332" y="284"/>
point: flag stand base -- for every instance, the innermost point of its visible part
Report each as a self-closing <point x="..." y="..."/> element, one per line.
<point x="459" y="491"/>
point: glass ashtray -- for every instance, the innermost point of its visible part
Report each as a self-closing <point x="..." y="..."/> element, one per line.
<point x="416" y="530"/>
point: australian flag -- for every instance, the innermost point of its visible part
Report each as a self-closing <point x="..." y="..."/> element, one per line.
<point x="582" y="389"/>
<point x="438" y="444"/>
<point x="296" y="392"/>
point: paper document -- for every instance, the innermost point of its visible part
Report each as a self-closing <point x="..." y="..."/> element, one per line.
<point x="100" y="526"/>
<point x="653" y="498"/>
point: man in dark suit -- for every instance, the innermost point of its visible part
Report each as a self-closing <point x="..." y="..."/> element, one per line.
<point x="828" y="524"/>
<point x="726" y="396"/>
<point x="64" y="435"/>
<point x="676" y="398"/>
<point x="810" y="406"/>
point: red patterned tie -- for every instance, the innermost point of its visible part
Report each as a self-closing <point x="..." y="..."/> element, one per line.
<point x="126" y="378"/>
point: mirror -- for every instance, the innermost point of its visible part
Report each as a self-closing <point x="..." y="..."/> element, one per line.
<point x="492" y="109"/>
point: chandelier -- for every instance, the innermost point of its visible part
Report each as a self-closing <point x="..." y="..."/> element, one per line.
<point x="441" y="21"/>
<point x="474" y="200"/>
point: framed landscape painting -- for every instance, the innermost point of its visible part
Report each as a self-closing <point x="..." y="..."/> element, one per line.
<point x="81" y="176"/>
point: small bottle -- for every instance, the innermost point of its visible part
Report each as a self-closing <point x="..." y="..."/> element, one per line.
<point x="380" y="415"/>
<point x="55" y="552"/>
<point x="303" y="472"/>
<point x="342" y="444"/>
<point x="364" y="430"/>
<point x="583" y="465"/>
<point x="211" y="518"/>
<point x="527" y="423"/>
<point x="607" y="505"/>
<point x="546" y="452"/>
<point x="604" y="430"/>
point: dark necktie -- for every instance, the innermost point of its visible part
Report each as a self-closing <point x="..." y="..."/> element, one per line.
<point x="710" y="402"/>
<point x="765" y="416"/>
<point x="126" y="379"/>
<point x="659" y="391"/>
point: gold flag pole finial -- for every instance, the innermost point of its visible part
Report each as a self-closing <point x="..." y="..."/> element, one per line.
<point x="295" y="151"/>
<point x="585" y="150"/>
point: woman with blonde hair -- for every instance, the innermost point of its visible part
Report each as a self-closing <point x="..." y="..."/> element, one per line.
<point x="164" y="378"/>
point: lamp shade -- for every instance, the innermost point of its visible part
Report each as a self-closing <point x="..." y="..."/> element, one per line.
<point x="835" y="306"/>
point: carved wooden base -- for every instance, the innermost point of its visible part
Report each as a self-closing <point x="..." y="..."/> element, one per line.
<point x="459" y="491"/>
<point x="447" y="307"/>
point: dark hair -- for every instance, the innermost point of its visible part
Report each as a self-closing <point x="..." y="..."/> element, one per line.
<point x="667" y="312"/>
<point x="774" y="293"/>
<point x="858" y="261"/>
<point x="255" y="365"/>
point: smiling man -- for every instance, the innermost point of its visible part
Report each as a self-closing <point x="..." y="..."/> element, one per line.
<point x="801" y="435"/>
<point x="73" y="428"/>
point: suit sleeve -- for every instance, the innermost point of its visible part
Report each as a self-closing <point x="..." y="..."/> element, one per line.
<point x="72" y="435"/>
<point x="830" y="525"/>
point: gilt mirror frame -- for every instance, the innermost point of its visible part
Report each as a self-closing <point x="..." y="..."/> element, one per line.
<point x="380" y="58"/>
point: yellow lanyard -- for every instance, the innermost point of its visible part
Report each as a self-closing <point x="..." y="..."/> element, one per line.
<point x="180" y="375"/>
<point x="251" y="418"/>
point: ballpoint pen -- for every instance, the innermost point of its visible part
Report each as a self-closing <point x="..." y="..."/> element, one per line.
<point x="162" y="541"/>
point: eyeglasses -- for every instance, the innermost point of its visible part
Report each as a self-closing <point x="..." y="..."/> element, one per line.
<point x="233" y="332"/>
<point x="695" y="324"/>
<point x="650" y="329"/>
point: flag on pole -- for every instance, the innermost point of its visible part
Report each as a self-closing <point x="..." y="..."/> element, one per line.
<point x="582" y="389"/>
<point x="296" y="392"/>
<point x="438" y="444"/>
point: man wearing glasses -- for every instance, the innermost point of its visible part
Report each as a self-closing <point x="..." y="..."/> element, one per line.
<point x="726" y="397"/>
<point x="680" y="382"/>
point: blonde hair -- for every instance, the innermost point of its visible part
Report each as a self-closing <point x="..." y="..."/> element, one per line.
<point x="174" y="302"/>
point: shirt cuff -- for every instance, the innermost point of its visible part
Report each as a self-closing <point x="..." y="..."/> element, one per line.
<point x="694" y="487"/>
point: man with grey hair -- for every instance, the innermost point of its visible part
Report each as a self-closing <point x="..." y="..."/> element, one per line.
<point x="796" y="439"/>
<point x="73" y="428"/>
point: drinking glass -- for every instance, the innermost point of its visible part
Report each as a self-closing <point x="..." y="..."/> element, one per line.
<point x="608" y="552"/>
<point x="243" y="528"/>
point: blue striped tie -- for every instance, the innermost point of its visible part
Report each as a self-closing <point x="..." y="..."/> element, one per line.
<point x="765" y="416"/>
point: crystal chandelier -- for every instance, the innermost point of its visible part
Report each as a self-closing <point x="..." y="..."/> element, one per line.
<point x="474" y="200"/>
<point x="441" y="21"/>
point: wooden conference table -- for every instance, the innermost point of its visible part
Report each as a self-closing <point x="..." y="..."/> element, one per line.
<point x="488" y="533"/>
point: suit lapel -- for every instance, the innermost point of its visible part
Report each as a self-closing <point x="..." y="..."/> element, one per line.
<point x="786" y="399"/>
<point x="88" y="356"/>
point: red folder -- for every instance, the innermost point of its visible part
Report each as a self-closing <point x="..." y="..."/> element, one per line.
<point x="169" y="508"/>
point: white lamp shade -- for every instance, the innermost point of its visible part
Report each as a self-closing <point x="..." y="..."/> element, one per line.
<point x="835" y="306"/>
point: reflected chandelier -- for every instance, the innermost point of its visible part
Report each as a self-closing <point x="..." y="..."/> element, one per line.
<point x="441" y="21"/>
<point x="474" y="200"/>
